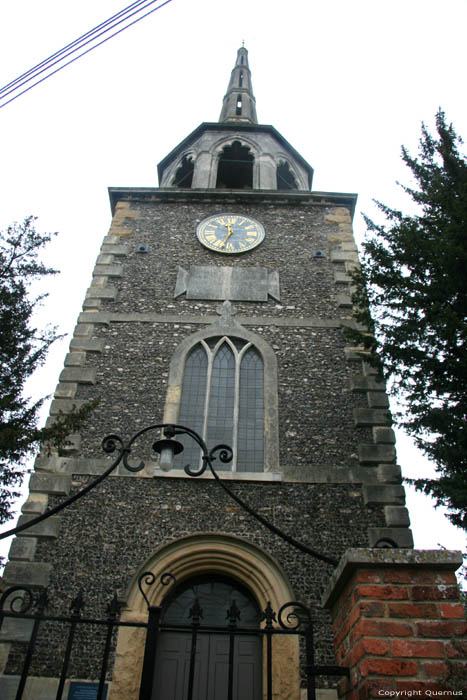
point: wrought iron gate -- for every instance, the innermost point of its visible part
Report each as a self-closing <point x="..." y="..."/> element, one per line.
<point x="293" y="618"/>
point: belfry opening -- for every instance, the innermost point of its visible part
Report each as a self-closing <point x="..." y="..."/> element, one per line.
<point x="235" y="169"/>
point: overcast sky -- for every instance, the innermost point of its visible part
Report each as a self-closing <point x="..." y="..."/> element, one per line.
<point x="346" y="83"/>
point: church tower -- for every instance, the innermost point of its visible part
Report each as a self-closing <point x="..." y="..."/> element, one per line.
<point x="218" y="302"/>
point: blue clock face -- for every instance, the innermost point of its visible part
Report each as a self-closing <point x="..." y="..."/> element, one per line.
<point x="230" y="233"/>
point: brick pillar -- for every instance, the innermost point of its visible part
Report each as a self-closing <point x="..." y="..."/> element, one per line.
<point x="398" y="623"/>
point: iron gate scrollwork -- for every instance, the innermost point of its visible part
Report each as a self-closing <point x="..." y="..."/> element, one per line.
<point x="293" y="618"/>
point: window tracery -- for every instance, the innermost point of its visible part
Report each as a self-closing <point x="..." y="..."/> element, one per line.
<point x="222" y="398"/>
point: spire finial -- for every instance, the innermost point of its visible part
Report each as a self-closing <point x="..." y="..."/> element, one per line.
<point x="239" y="102"/>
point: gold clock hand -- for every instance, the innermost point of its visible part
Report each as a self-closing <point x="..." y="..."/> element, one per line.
<point x="229" y="233"/>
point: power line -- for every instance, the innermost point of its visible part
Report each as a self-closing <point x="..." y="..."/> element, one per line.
<point x="76" y="45"/>
<point x="80" y="39"/>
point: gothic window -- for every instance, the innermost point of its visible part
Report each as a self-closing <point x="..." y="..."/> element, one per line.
<point x="238" y="109"/>
<point x="223" y="400"/>
<point x="285" y="177"/>
<point x="240" y="80"/>
<point x="235" y="170"/>
<point x="184" y="173"/>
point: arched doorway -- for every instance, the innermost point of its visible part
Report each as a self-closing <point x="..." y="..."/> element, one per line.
<point x="200" y="619"/>
<point x="213" y="555"/>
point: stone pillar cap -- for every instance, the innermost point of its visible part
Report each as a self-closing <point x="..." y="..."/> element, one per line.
<point x="352" y="559"/>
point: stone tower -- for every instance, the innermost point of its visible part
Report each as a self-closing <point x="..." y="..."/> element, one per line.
<point x="218" y="301"/>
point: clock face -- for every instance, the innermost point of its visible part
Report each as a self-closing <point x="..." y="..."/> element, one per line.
<point x="230" y="233"/>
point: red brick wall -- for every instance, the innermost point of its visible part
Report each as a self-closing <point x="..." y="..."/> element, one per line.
<point x="400" y="629"/>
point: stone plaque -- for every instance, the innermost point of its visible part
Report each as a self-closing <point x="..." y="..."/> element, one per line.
<point x="79" y="690"/>
<point x="208" y="282"/>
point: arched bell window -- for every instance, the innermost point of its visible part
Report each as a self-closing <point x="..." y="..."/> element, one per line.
<point x="223" y="400"/>
<point x="285" y="177"/>
<point x="235" y="169"/>
<point x="184" y="173"/>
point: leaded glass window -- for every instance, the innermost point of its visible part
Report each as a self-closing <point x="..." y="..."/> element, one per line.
<point x="223" y="400"/>
<point x="192" y="403"/>
<point x="250" y="443"/>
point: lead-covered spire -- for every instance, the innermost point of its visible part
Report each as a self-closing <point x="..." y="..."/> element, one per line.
<point x="239" y="102"/>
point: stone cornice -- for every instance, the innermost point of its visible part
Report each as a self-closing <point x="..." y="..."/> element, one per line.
<point x="276" y="197"/>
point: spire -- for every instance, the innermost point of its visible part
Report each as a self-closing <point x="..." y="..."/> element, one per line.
<point x="239" y="102"/>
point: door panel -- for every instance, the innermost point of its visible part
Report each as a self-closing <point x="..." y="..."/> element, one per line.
<point x="171" y="675"/>
<point x="211" y="675"/>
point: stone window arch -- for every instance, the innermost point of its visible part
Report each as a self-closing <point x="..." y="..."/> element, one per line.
<point x="223" y="384"/>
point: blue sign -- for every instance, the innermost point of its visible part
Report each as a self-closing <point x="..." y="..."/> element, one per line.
<point x="85" y="691"/>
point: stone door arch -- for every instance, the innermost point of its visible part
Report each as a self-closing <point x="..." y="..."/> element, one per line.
<point x="199" y="555"/>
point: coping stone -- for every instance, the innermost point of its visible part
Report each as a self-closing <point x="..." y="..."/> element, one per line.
<point x="372" y="558"/>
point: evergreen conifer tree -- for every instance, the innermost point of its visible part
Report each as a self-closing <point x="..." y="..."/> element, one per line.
<point x="411" y="293"/>
<point x="23" y="348"/>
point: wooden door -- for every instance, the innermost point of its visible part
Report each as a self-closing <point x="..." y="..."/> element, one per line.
<point x="211" y="675"/>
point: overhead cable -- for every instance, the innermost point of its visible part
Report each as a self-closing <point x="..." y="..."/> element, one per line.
<point x="74" y="43"/>
<point x="91" y="36"/>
